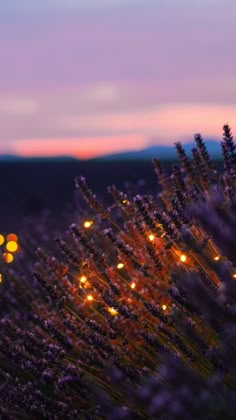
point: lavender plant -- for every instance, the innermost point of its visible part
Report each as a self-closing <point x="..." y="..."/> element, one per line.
<point x="133" y="315"/>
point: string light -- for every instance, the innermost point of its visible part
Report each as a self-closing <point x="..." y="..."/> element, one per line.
<point x="12" y="246"/>
<point x="84" y="283"/>
<point x="183" y="258"/>
<point x="0" y="278"/>
<point x="112" y="311"/>
<point x="88" y="224"/>
<point x="8" y="257"/>
<point x="234" y="275"/>
<point x="125" y="201"/>
<point x="216" y="258"/>
<point x="90" y="298"/>
<point x="164" y="307"/>
<point x="2" y="240"/>
<point x="133" y="285"/>
<point x="83" y="279"/>
<point x="120" y="265"/>
<point x="151" y="237"/>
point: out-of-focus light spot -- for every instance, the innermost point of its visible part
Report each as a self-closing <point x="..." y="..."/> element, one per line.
<point x="83" y="279"/>
<point x="164" y="307"/>
<point x="120" y="266"/>
<point x="90" y="298"/>
<point x="216" y="258"/>
<point x="234" y="275"/>
<point x="8" y="257"/>
<point x="133" y="285"/>
<point x="12" y="246"/>
<point x="125" y="201"/>
<point x="151" y="237"/>
<point x="84" y="283"/>
<point x="2" y="240"/>
<point x="12" y="237"/>
<point x="0" y="277"/>
<point x="112" y="311"/>
<point x="183" y="258"/>
<point x="88" y="224"/>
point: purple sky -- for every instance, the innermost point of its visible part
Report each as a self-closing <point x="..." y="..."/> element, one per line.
<point x="86" y="77"/>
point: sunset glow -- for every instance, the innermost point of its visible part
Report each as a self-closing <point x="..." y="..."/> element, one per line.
<point x="74" y="84"/>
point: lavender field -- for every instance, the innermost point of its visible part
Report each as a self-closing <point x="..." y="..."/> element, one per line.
<point x="121" y="304"/>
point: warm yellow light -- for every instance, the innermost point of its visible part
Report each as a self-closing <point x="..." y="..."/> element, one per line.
<point x="8" y="257"/>
<point x="12" y="246"/>
<point x="112" y="311"/>
<point x="0" y="278"/>
<point x="120" y="265"/>
<point x="12" y="237"/>
<point x="151" y="237"/>
<point x="88" y="224"/>
<point x="234" y="275"/>
<point x="183" y="258"/>
<point x="133" y="285"/>
<point x="164" y="307"/>
<point x="125" y="202"/>
<point x="83" y="279"/>
<point x="90" y="297"/>
<point x="2" y="240"/>
<point x="217" y="258"/>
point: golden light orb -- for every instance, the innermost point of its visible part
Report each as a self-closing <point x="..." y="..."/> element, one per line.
<point x="12" y="246"/>
<point x="88" y="224"/>
<point x="151" y="237"/>
<point x="216" y="258"/>
<point x="0" y="277"/>
<point x="2" y="240"/>
<point x="164" y="307"/>
<point x="83" y="279"/>
<point x="112" y="311"/>
<point x="90" y="298"/>
<point x="12" y="237"/>
<point x="133" y="285"/>
<point x="183" y="258"/>
<point x="234" y="275"/>
<point x="8" y="257"/>
<point x="120" y="265"/>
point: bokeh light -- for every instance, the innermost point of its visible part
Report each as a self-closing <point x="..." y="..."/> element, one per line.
<point x="12" y="246"/>
<point x="12" y="237"/>
<point x="88" y="224"/>
<point x="8" y="257"/>
<point x="2" y="239"/>
<point x="112" y="311"/>
<point x="120" y="266"/>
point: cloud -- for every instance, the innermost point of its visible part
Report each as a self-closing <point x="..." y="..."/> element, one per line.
<point x="167" y="123"/>
<point x="101" y="93"/>
<point x="90" y="134"/>
<point x="14" y="106"/>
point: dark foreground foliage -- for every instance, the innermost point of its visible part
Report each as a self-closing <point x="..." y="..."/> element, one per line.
<point x="136" y="318"/>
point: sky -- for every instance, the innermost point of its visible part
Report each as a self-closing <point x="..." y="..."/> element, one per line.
<point x="93" y="77"/>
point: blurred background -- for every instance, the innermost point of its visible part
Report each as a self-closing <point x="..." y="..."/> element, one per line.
<point x="106" y="80"/>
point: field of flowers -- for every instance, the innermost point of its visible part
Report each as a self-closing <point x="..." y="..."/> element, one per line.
<point x="130" y="313"/>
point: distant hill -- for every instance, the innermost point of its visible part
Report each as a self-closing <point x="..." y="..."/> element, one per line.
<point x="15" y="158"/>
<point x="9" y="158"/>
<point x="162" y="152"/>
